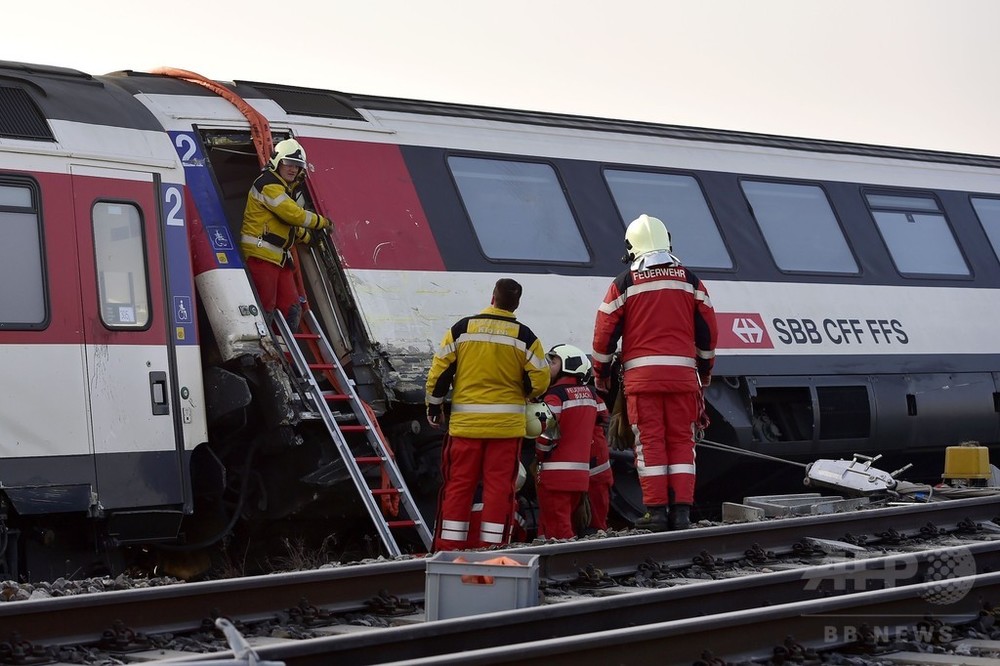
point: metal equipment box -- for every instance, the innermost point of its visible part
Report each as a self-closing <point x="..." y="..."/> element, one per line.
<point x="462" y="583"/>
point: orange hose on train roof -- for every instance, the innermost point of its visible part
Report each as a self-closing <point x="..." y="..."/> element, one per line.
<point x="260" y="129"/>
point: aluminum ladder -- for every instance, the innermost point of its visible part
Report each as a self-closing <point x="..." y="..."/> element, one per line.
<point x="377" y="453"/>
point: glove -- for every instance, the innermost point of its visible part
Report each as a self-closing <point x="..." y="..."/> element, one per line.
<point x="705" y="379"/>
<point x="602" y="384"/>
<point x="435" y="416"/>
<point x="323" y="223"/>
<point x="620" y="435"/>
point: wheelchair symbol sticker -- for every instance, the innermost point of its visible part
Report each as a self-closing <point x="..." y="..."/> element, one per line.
<point x="182" y="309"/>
<point x="220" y="238"/>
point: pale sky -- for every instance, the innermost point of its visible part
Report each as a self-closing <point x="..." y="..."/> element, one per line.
<point x="916" y="73"/>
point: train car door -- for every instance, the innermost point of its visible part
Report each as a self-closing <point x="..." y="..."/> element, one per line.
<point x="129" y="358"/>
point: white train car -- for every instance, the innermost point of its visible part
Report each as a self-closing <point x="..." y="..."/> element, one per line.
<point x="854" y="287"/>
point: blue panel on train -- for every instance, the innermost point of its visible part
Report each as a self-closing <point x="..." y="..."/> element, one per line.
<point x="206" y="198"/>
<point x="178" y="258"/>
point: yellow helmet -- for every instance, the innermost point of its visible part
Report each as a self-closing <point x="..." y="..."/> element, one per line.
<point x="645" y="234"/>
<point x="288" y="151"/>
<point x="537" y="417"/>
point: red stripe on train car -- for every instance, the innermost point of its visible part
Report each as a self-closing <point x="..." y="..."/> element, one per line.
<point x="366" y="190"/>
<point x="70" y="271"/>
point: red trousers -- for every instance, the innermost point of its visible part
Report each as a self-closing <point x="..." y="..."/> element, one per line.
<point x="515" y="528"/>
<point x="600" y="499"/>
<point x="465" y="462"/>
<point x="555" y="512"/>
<point x="275" y="284"/>
<point x="664" y="425"/>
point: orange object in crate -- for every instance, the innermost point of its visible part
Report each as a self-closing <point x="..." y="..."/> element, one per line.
<point x="459" y="584"/>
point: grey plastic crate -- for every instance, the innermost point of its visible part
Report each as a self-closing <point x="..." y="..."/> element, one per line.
<point x="447" y="596"/>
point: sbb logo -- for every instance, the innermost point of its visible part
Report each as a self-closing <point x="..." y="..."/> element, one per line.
<point x="742" y="330"/>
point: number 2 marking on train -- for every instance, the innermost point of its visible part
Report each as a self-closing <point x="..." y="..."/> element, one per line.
<point x="172" y="200"/>
<point x="185" y="142"/>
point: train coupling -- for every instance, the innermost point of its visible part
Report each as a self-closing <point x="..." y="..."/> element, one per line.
<point x="856" y="476"/>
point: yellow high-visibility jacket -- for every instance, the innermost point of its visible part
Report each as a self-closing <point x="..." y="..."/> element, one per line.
<point x="495" y="364"/>
<point x="274" y="219"/>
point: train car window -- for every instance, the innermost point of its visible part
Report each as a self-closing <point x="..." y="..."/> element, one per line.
<point x="917" y="235"/>
<point x="518" y="210"/>
<point x="988" y="211"/>
<point x="22" y="282"/>
<point x="121" y="265"/>
<point x="799" y="227"/>
<point x="679" y="201"/>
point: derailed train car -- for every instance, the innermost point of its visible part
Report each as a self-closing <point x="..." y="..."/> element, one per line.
<point x="142" y="406"/>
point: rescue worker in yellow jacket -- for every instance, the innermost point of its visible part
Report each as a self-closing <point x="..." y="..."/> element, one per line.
<point x="495" y="364"/>
<point x="274" y="220"/>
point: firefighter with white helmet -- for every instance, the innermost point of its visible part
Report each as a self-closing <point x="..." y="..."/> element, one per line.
<point x="564" y="455"/>
<point x="274" y="220"/>
<point x="663" y="316"/>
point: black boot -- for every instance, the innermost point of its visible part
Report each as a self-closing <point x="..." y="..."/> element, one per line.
<point x="655" y="519"/>
<point x="680" y="516"/>
<point x="294" y="317"/>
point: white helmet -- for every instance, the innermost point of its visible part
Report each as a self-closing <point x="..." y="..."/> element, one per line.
<point x="574" y="361"/>
<point x="288" y="151"/>
<point x="645" y="234"/>
<point x="537" y="417"/>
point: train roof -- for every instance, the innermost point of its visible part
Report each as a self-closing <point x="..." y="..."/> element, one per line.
<point x="645" y="128"/>
<point x="31" y="94"/>
<point x="105" y="105"/>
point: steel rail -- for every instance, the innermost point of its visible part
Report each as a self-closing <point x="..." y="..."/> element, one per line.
<point x="436" y="640"/>
<point x="180" y="607"/>
<point x="343" y="589"/>
<point x="730" y="542"/>
<point x="738" y="635"/>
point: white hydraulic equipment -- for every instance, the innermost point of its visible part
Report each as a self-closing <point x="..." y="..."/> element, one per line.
<point x="855" y="476"/>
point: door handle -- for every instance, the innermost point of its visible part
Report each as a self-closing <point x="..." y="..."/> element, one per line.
<point x="158" y="393"/>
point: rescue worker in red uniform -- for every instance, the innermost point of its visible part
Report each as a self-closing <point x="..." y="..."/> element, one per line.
<point x="601" y="476"/>
<point x="495" y="364"/>
<point x="563" y="453"/>
<point x="663" y="316"/>
<point x="273" y="221"/>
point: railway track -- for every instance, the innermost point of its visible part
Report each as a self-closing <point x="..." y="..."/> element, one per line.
<point x="641" y="580"/>
<point x="737" y="636"/>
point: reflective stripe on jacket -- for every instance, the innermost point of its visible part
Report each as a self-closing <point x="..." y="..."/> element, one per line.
<point x="495" y="364"/>
<point x="565" y="463"/>
<point x="600" y="456"/>
<point x="665" y="321"/>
